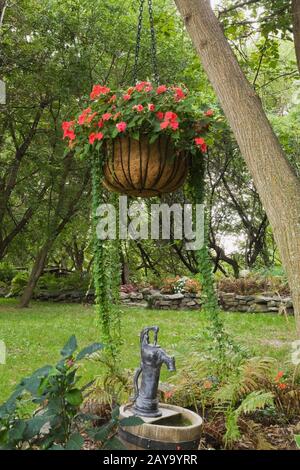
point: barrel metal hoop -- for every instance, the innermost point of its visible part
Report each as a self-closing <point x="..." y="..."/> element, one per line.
<point x="150" y="444"/>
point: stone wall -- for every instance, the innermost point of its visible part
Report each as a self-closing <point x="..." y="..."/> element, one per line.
<point x="266" y="302"/>
<point x="269" y="302"/>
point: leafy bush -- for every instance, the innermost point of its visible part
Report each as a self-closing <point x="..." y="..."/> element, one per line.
<point x="57" y="420"/>
<point x="254" y="284"/>
<point x="128" y="288"/>
<point x="7" y="273"/>
<point x="18" y="283"/>
<point x="247" y="385"/>
<point x="53" y="283"/>
<point x="174" y="285"/>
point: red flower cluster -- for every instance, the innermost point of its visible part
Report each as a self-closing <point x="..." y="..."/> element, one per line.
<point x="98" y="90"/>
<point x="200" y="142"/>
<point x="121" y="126"/>
<point x="95" y="136"/>
<point x="67" y="127"/>
<point x="178" y="94"/>
<point x="280" y="384"/>
<point x="170" y="120"/>
<point x="163" y="108"/>
<point x="138" y="107"/>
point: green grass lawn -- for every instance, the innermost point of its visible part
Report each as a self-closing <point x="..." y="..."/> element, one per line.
<point x="35" y="336"/>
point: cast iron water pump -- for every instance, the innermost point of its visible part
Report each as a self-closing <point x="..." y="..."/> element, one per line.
<point x="152" y="357"/>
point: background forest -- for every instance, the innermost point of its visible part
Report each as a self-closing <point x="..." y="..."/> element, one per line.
<point x="50" y="58"/>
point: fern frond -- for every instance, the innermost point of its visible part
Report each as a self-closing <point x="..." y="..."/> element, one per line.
<point x="254" y="401"/>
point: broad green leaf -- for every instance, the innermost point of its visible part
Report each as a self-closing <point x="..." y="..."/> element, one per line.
<point x="297" y="440"/>
<point x="131" y="421"/>
<point x="114" y="444"/>
<point x="69" y="347"/>
<point x="75" y="442"/>
<point x="74" y="397"/>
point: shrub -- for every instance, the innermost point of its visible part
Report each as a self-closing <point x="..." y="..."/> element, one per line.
<point x="7" y="272"/>
<point x="54" y="283"/>
<point x="174" y="285"/>
<point x="128" y="288"/>
<point x="18" y="283"/>
<point x="57" y="419"/>
<point x="254" y="284"/>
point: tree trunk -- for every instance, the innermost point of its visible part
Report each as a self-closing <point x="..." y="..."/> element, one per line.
<point x="275" y="181"/>
<point x="296" y="28"/>
<point x="36" y="272"/>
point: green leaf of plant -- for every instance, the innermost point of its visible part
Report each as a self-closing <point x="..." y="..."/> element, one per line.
<point x="17" y="431"/>
<point x="297" y="440"/>
<point x="69" y="347"/>
<point x="57" y="447"/>
<point x="102" y="433"/>
<point x="74" y="397"/>
<point x="89" y="350"/>
<point x="75" y="442"/>
<point x="34" y="425"/>
<point x="114" y="444"/>
<point x="131" y="421"/>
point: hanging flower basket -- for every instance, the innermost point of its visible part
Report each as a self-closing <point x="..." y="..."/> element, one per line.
<point x="146" y="136"/>
<point x="141" y="168"/>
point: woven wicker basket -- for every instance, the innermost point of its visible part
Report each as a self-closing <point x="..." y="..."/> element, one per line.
<point x="138" y="168"/>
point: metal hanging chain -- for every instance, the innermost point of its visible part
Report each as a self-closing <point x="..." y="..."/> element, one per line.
<point x="138" y="42"/>
<point x="153" y="43"/>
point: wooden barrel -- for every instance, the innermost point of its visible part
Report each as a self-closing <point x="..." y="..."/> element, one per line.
<point x="138" y="168"/>
<point x="162" y="433"/>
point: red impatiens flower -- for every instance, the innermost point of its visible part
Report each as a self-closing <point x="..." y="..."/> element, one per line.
<point x="113" y="99"/>
<point x="95" y="136"/>
<point x="83" y="116"/>
<point x="98" y="90"/>
<point x="161" y="89"/>
<point x="126" y="97"/>
<point x="209" y="113"/>
<point x="151" y="107"/>
<point x="174" y="125"/>
<point x="179" y="94"/>
<point x="106" y="116"/>
<point x="100" y="123"/>
<point x="160" y="115"/>
<point x="164" y="124"/>
<point x="66" y="125"/>
<point x="170" y="116"/>
<point x="148" y="88"/>
<point x="140" y="86"/>
<point x="138" y="107"/>
<point x="121" y="126"/>
<point x="91" y="117"/>
<point x="200" y="142"/>
<point x="170" y="121"/>
<point x="70" y="134"/>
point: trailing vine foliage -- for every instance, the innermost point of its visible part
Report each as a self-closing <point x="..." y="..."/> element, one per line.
<point x="106" y="271"/>
<point x="220" y="339"/>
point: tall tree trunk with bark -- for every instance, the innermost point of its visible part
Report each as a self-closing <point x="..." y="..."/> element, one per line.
<point x="296" y="28"/>
<point x="274" y="178"/>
